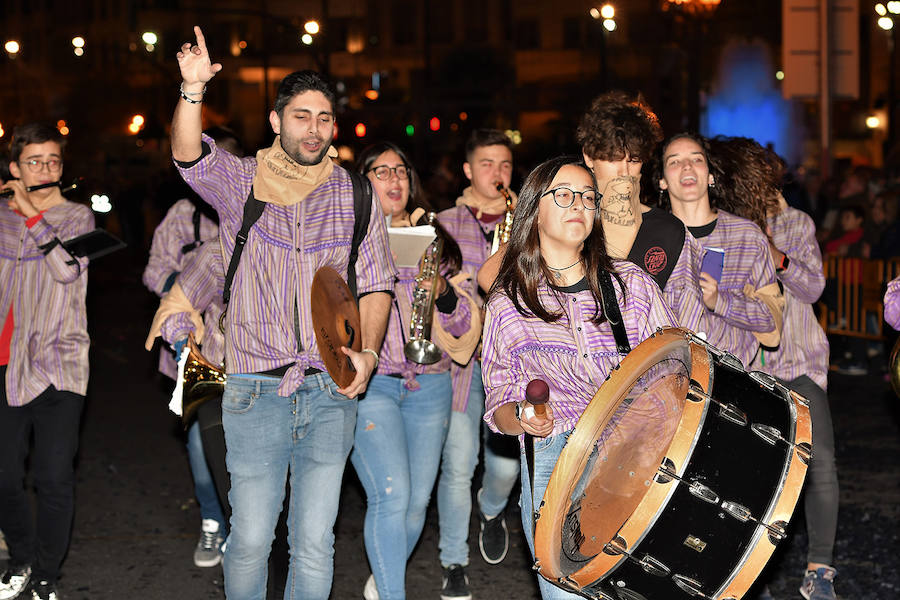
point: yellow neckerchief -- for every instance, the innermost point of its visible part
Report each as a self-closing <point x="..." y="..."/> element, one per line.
<point x="497" y="206"/>
<point x="281" y="180"/>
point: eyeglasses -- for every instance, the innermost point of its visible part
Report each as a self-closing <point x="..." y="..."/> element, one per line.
<point x="565" y="197"/>
<point x="36" y="166"/>
<point x="383" y="172"/>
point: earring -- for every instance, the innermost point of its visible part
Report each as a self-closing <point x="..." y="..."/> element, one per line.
<point x="661" y="193"/>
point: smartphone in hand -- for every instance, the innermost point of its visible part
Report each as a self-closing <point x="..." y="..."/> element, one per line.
<point x="713" y="261"/>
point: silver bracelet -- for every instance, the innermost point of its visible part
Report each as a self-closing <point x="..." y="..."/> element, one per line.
<point x="181" y="89"/>
<point x="373" y="353"/>
<point x="189" y="100"/>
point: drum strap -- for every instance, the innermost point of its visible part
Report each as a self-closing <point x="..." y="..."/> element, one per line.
<point x="613" y="314"/>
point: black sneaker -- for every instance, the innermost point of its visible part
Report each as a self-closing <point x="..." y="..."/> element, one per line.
<point x="493" y="539"/>
<point x="14" y="580"/>
<point x="455" y="584"/>
<point x="43" y="590"/>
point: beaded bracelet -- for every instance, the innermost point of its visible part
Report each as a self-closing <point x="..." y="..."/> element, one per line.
<point x="373" y="353"/>
<point x="186" y="95"/>
<point x="190" y="100"/>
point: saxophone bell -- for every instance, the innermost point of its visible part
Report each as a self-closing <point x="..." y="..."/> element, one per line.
<point x="504" y="228"/>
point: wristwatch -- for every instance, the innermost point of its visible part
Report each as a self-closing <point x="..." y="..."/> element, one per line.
<point x="785" y="261"/>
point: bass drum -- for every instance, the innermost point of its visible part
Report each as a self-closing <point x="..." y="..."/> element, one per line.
<point x="678" y="480"/>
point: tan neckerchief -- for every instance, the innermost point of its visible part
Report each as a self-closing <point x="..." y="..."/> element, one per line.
<point x="621" y="214"/>
<point x="281" y="180"/>
<point x="496" y="206"/>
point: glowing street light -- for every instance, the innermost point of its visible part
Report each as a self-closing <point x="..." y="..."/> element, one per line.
<point x="608" y="11"/>
<point x="893" y="8"/>
<point x="609" y="24"/>
<point x="12" y="46"/>
<point x="872" y="122"/>
<point x="149" y="37"/>
<point x="880" y="9"/>
<point x="886" y="23"/>
<point x="306" y="39"/>
<point x="311" y="27"/>
<point x="595" y="13"/>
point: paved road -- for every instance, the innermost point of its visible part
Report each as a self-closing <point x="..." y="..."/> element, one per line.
<point x="137" y="523"/>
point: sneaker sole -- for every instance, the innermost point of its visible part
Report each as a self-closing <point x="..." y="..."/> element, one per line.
<point x="494" y="561"/>
<point x="203" y="564"/>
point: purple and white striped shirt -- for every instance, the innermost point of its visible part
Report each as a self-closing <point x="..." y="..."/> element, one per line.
<point x="892" y="304"/>
<point x="682" y="293"/>
<point x="393" y="360"/>
<point x="572" y="355"/>
<point x="804" y="347"/>
<point x="175" y="231"/>
<point x="469" y="233"/>
<point x="269" y="323"/>
<point x="202" y="281"/>
<point x="50" y="341"/>
<point x="747" y="261"/>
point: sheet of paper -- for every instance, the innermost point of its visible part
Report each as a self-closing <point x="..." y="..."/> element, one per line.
<point x="409" y="243"/>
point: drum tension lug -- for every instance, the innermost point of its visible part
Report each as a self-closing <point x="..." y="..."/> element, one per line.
<point x="764" y="379"/>
<point x="777" y="531"/>
<point x="666" y="471"/>
<point x="804" y="452"/>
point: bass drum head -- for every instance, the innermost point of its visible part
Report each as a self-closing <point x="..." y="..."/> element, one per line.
<point x="607" y="469"/>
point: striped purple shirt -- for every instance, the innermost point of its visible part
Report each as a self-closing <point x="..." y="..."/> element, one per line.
<point x="892" y="304"/>
<point x="202" y="281"/>
<point x="269" y="323"/>
<point x="175" y="231"/>
<point x="572" y="355"/>
<point x="50" y="341"/>
<point x="804" y="347"/>
<point x="469" y="233"/>
<point x="166" y="257"/>
<point x="682" y="293"/>
<point x="393" y="360"/>
<point x="747" y="261"/>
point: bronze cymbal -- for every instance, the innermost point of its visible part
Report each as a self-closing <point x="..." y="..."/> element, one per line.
<point x="335" y="318"/>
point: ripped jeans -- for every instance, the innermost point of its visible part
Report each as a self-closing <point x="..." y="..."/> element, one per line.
<point x="397" y="451"/>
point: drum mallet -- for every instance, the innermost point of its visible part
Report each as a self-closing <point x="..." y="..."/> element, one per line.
<point x="537" y="392"/>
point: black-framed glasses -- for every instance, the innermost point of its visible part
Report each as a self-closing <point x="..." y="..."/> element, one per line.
<point x="383" y="172"/>
<point x="36" y="166"/>
<point x="565" y="197"/>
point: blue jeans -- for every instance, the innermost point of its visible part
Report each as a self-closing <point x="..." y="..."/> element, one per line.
<point x="499" y="479"/>
<point x="309" y="435"/>
<point x="399" y="436"/>
<point x="458" y="461"/>
<point x="546" y="453"/>
<point x="204" y="487"/>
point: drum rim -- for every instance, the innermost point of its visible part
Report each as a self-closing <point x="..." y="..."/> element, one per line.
<point x="548" y="530"/>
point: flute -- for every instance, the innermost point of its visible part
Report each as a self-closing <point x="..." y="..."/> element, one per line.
<point x="34" y="188"/>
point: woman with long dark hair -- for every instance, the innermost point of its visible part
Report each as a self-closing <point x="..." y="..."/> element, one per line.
<point x="402" y="419"/>
<point x="743" y="299"/>
<point x="546" y="301"/>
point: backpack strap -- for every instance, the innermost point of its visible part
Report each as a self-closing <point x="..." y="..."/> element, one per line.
<point x="195" y="219"/>
<point x="362" y="213"/>
<point x="253" y="210"/>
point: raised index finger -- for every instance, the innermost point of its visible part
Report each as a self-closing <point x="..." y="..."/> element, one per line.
<point x="201" y="41"/>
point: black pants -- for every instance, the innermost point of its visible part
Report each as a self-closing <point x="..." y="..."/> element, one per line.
<point x="821" y="495"/>
<point x="54" y="417"/>
<point x="209" y="418"/>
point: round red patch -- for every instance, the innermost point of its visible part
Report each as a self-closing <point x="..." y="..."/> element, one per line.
<point x="655" y="260"/>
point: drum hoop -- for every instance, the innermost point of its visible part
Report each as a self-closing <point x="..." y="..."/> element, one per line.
<point x="548" y="530"/>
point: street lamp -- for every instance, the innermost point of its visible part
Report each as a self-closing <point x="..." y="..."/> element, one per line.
<point x="311" y="27"/>
<point x="697" y="12"/>
<point x="12" y="48"/>
<point x="886" y="15"/>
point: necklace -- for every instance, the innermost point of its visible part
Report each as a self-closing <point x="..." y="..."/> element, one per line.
<point x="564" y="268"/>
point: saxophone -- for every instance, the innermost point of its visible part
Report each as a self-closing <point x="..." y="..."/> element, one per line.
<point x="420" y="349"/>
<point x="503" y="229"/>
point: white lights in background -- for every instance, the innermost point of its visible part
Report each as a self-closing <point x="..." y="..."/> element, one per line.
<point x="100" y="203"/>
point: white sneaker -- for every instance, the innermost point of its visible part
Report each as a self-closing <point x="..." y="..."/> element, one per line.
<point x="370" y="592"/>
<point x="13" y="581"/>
<point x="208" y="552"/>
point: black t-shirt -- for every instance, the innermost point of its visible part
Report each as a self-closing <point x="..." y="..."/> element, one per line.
<point x="701" y="231"/>
<point x="658" y="244"/>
